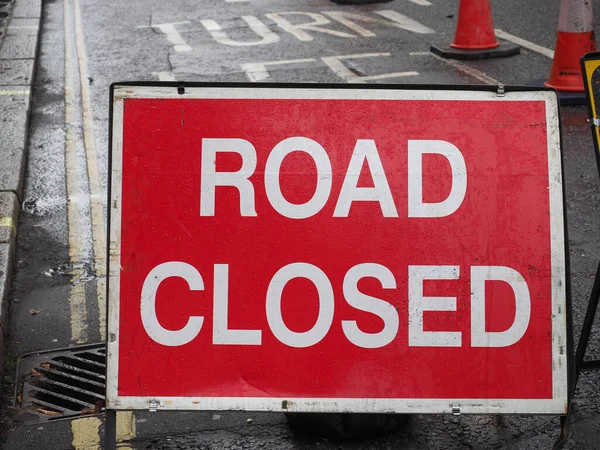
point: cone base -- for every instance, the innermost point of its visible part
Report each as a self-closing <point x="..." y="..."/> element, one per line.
<point x="503" y="51"/>
<point x="566" y="98"/>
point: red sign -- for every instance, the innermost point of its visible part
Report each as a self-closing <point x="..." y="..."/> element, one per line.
<point x="340" y="249"/>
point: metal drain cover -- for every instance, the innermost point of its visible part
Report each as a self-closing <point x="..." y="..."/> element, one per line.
<point x="61" y="384"/>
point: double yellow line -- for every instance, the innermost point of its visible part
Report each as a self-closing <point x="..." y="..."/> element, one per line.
<point x="85" y="430"/>
<point x="74" y="33"/>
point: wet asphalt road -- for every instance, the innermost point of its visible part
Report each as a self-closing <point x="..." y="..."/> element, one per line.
<point x="143" y="41"/>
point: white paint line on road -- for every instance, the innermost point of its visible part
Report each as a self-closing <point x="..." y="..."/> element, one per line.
<point x="96" y="195"/>
<point x="468" y="70"/>
<point x="385" y="76"/>
<point x="346" y="19"/>
<point x="236" y="1"/>
<point x="164" y="76"/>
<point x="299" y="30"/>
<point x="421" y="2"/>
<point x="404" y="22"/>
<point x="15" y="93"/>
<point x="7" y="222"/>
<point x="337" y="66"/>
<point x="173" y="36"/>
<point x="525" y="44"/>
<point x="264" y="32"/>
<point x="77" y="294"/>
<point x="258" y="71"/>
<point x="23" y="27"/>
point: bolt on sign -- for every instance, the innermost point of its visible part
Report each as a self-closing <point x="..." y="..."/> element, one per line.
<point x="590" y="68"/>
<point x="331" y="248"/>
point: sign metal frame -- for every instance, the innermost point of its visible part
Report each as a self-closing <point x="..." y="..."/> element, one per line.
<point x="561" y="301"/>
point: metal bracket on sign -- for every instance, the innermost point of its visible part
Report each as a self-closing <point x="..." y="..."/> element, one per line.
<point x="500" y="92"/>
<point x="456" y="409"/>
<point x="596" y="122"/>
<point x="153" y="405"/>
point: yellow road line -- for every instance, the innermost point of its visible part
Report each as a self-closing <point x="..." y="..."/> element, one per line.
<point x="86" y="434"/>
<point x="15" y="92"/>
<point x="97" y="209"/>
<point x="77" y="294"/>
<point x="9" y="223"/>
<point x="125" y="428"/>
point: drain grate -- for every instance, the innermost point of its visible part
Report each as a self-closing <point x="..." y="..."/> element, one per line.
<point x="62" y="383"/>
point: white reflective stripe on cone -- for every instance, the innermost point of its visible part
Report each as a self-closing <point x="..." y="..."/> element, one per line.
<point x="576" y="16"/>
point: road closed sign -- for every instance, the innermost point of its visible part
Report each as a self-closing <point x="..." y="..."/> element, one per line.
<point x="331" y="248"/>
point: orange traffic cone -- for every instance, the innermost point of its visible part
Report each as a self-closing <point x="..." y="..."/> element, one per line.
<point x="575" y="38"/>
<point x="475" y="37"/>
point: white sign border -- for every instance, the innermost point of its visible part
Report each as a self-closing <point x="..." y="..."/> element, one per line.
<point x="555" y="405"/>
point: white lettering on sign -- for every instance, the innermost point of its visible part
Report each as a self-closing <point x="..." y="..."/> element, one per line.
<point x="364" y="150"/>
<point x="482" y="338"/>
<point x="239" y="179"/>
<point x="221" y="332"/>
<point x="169" y="338"/>
<point x="272" y="169"/>
<point x="417" y="302"/>
<point x="373" y="305"/>
<point x="326" y="305"/>
<point x="365" y="156"/>
<point x="416" y="206"/>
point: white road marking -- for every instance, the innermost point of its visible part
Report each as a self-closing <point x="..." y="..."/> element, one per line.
<point x="421" y="2"/>
<point x="525" y="44"/>
<point x="298" y="30"/>
<point x="164" y="76"/>
<point x="461" y="67"/>
<point x="22" y="27"/>
<point x="301" y="31"/>
<point x="173" y="36"/>
<point x="335" y="63"/>
<point x="77" y="294"/>
<point x="404" y="22"/>
<point x="258" y="71"/>
<point x="264" y="32"/>
<point x="395" y="20"/>
<point x="344" y="18"/>
<point x="15" y="92"/>
<point x="96" y="194"/>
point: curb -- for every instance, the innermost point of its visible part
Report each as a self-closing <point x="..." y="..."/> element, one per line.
<point x="18" y="53"/>
<point x="9" y="218"/>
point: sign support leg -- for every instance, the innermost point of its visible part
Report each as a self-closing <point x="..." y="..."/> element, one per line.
<point x="110" y="429"/>
<point x="580" y="364"/>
